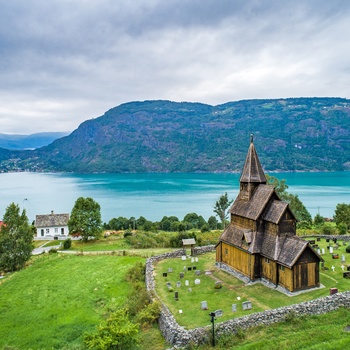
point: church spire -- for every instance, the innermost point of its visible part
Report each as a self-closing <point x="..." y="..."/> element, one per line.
<point x="252" y="170"/>
<point x="252" y="174"/>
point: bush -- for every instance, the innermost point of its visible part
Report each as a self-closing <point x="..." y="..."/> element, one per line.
<point x="348" y="249"/>
<point x="328" y="229"/>
<point x="149" y="314"/>
<point x="127" y="233"/>
<point x="67" y="243"/>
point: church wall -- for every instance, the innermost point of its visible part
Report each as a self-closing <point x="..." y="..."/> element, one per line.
<point x="268" y="270"/>
<point x="285" y="277"/>
<point x="236" y="258"/>
<point x="271" y="228"/>
<point x="243" y="222"/>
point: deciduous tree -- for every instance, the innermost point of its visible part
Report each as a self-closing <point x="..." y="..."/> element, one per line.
<point x="85" y="218"/>
<point x="16" y="239"/>
<point x="221" y="206"/>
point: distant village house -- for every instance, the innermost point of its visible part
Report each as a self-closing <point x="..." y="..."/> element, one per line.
<point x="51" y="225"/>
<point x="260" y="242"/>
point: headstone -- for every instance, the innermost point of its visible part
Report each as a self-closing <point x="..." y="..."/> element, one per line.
<point x="327" y="240"/>
<point x="190" y="289"/>
<point x="176" y="296"/>
<point x="187" y="283"/>
<point x="197" y="281"/>
<point x="342" y="267"/>
<point x="204" y="305"/>
<point x="218" y="313"/>
<point x="343" y="258"/>
<point x="246" y="305"/>
<point x="331" y="250"/>
<point x="196" y="259"/>
<point x="192" y="260"/>
<point x="318" y="239"/>
<point x="323" y="251"/>
<point x="348" y="268"/>
<point x="218" y="285"/>
<point x="189" y="268"/>
<point x="312" y="241"/>
<point x="333" y="268"/>
<point x="319" y="251"/>
<point x="238" y="298"/>
<point x="178" y="284"/>
<point x="335" y="240"/>
<point x="165" y="274"/>
<point x="194" y="268"/>
<point x="346" y="274"/>
<point x="170" y="269"/>
<point x="234" y="307"/>
<point x="180" y="311"/>
<point x="335" y="256"/>
<point x="185" y="268"/>
<point x="182" y="275"/>
<point x="198" y="272"/>
<point x="333" y="291"/>
<point x="183" y="257"/>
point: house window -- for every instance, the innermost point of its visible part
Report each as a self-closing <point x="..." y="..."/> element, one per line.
<point x="47" y="231"/>
<point x="281" y="268"/>
<point x="56" y="229"/>
<point x="62" y="231"/>
<point x="267" y="260"/>
<point x="226" y="251"/>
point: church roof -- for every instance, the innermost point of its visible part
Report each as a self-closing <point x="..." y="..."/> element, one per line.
<point x="275" y="211"/>
<point x="253" y="208"/>
<point x="252" y="169"/>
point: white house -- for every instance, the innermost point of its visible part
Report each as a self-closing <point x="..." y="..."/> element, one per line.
<point x="51" y="225"/>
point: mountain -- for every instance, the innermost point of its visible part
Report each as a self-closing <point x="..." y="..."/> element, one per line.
<point x="33" y="141"/>
<point x="295" y="134"/>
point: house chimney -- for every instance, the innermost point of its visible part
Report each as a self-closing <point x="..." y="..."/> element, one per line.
<point x="51" y="212"/>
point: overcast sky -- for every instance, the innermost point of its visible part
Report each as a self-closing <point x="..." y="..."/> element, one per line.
<point x="66" y="61"/>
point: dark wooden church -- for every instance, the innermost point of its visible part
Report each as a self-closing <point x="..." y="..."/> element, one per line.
<point x="261" y="242"/>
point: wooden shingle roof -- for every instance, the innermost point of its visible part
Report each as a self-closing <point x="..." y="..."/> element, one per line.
<point x="253" y="208"/>
<point x="275" y="211"/>
<point x="51" y="220"/>
<point x="252" y="169"/>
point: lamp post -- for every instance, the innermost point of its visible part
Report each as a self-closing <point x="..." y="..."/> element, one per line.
<point x="212" y="319"/>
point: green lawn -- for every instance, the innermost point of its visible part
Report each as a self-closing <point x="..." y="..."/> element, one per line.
<point x="51" y="303"/>
<point x="233" y="290"/>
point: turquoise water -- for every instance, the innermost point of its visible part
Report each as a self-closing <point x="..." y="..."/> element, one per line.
<point x="156" y="195"/>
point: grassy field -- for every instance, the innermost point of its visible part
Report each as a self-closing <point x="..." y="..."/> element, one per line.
<point x="51" y="303"/>
<point x="233" y="290"/>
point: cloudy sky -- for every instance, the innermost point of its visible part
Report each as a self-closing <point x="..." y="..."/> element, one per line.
<point x="66" y="61"/>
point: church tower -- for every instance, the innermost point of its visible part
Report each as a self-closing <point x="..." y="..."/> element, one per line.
<point x="252" y="175"/>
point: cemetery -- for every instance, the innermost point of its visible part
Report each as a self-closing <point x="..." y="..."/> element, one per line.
<point x="190" y="295"/>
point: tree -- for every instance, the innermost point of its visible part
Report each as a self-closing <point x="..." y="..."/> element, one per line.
<point x="296" y="205"/>
<point x="196" y="220"/>
<point x="117" y="332"/>
<point x="342" y="214"/>
<point x="16" y="239"/>
<point x="213" y="223"/>
<point x="85" y="218"/>
<point x="221" y="206"/>
<point x="318" y="220"/>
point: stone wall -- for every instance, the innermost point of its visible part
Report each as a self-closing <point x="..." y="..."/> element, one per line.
<point x="179" y="337"/>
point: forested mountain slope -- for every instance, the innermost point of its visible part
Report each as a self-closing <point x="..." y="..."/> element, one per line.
<point x="296" y="134"/>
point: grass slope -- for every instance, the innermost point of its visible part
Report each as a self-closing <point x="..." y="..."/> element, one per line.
<point x="51" y="303"/>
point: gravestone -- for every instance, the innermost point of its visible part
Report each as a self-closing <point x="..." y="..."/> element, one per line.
<point x="335" y="240"/>
<point x="198" y="272"/>
<point x="183" y="257"/>
<point x="194" y="268"/>
<point x="165" y="274"/>
<point x="190" y="289"/>
<point x="204" y="305"/>
<point x="327" y="240"/>
<point x="197" y="281"/>
<point x="343" y="258"/>
<point x="331" y="250"/>
<point x="234" y="307"/>
<point x="348" y="268"/>
<point x="189" y="268"/>
<point x="346" y="274"/>
<point x="170" y="270"/>
<point x="180" y="311"/>
<point x="323" y="251"/>
<point x="312" y="241"/>
<point x="333" y="291"/>
<point x="192" y="260"/>
<point x="185" y="268"/>
<point x="342" y="267"/>
<point x="333" y="268"/>
<point x="218" y="313"/>
<point x="318" y="239"/>
<point x="176" y="296"/>
<point x="335" y="256"/>
<point x="218" y="285"/>
<point x="178" y="284"/>
<point x="196" y="259"/>
<point x="182" y="275"/>
<point x="319" y="251"/>
<point x="187" y="283"/>
<point x="246" y="305"/>
<point x="168" y="284"/>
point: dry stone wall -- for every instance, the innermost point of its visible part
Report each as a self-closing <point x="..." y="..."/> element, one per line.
<point x="178" y="337"/>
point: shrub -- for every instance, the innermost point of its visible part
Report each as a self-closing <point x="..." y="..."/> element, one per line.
<point x="348" y="249"/>
<point x="328" y="229"/>
<point x="127" y="233"/>
<point x="67" y="243"/>
<point x="149" y="314"/>
<point x="342" y="228"/>
<point x="52" y="251"/>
